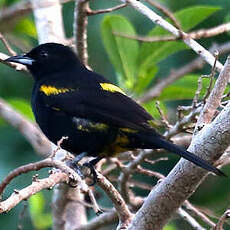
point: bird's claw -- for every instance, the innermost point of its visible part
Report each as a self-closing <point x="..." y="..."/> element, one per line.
<point x="92" y="171"/>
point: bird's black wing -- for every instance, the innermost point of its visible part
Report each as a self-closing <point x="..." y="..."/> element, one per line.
<point x="101" y="103"/>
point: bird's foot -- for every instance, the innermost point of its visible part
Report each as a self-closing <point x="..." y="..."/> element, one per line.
<point x="92" y="171"/>
<point x="78" y="169"/>
<point x="91" y="165"/>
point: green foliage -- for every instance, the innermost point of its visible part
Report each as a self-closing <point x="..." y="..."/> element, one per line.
<point x="153" y="53"/>
<point x="40" y="219"/>
<point x="151" y="108"/>
<point x="26" y="27"/>
<point x="2" y="3"/>
<point x="136" y="67"/>
<point x="185" y="88"/>
<point x="145" y="77"/>
<point x="22" y="106"/>
<point x="122" y="51"/>
<point x="170" y="227"/>
<point x="192" y="16"/>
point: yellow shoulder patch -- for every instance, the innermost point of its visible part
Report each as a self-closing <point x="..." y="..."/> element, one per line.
<point x="111" y="88"/>
<point x="52" y="90"/>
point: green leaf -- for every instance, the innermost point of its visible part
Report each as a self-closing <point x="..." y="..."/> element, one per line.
<point x="145" y="76"/>
<point x="188" y="18"/>
<point x="184" y="88"/>
<point x="192" y="16"/>
<point x="122" y="52"/>
<point x="43" y="221"/>
<point x="161" y="52"/>
<point x="2" y="3"/>
<point x="22" y="106"/>
<point x="40" y="219"/>
<point x="26" y="26"/>
<point x="36" y="204"/>
<point x="169" y="227"/>
<point x="2" y="122"/>
<point x="151" y="108"/>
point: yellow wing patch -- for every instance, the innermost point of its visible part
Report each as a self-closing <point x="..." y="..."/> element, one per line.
<point x="111" y="88"/>
<point x="52" y="90"/>
<point x="127" y="130"/>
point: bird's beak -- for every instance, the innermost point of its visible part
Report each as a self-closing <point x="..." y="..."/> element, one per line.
<point x="22" y="59"/>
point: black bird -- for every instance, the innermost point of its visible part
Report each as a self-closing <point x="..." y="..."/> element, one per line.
<point x="98" y="118"/>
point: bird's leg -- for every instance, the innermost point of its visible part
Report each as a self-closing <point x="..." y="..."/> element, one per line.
<point x="91" y="165"/>
<point x="74" y="163"/>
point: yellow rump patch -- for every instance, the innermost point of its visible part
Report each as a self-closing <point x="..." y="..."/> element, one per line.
<point x="111" y="88"/>
<point x="52" y="90"/>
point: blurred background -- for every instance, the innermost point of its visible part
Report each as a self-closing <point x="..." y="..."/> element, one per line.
<point x="213" y="195"/>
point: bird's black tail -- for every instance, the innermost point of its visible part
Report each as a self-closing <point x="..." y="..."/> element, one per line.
<point x="159" y="142"/>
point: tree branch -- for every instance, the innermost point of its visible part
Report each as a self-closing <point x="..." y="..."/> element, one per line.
<point x="163" y="23"/>
<point x="183" y="180"/>
<point x="48" y="20"/>
<point x="124" y="214"/>
<point x="35" y="187"/>
<point x="80" y="30"/>
<point x="202" y="33"/>
<point x="29" y="130"/>
<point x="91" y="12"/>
<point x="214" y="98"/>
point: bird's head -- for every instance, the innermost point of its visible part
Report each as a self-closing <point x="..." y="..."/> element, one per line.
<point x="47" y="59"/>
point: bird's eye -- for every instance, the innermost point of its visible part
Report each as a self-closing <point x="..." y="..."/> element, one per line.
<point x="44" y="54"/>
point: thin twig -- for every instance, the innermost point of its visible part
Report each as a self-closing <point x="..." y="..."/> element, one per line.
<point x="198" y="213"/>
<point x="95" y="206"/>
<point x="163" y="117"/>
<point x="197" y="93"/>
<point x="30" y="190"/>
<point x="165" y="11"/>
<point x="101" y="221"/>
<point x="48" y="162"/>
<point x="211" y="76"/>
<point x="150" y="173"/>
<point x="17" y="66"/>
<point x="223" y="218"/>
<point x="91" y="12"/>
<point x="203" y="33"/>
<point x="184" y="121"/>
<point x="7" y="45"/>
<point x="124" y="214"/>
<point x="182" y="213"/>
<point x="59" y="143"/>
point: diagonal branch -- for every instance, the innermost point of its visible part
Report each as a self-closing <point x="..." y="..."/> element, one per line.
<point x="35" y="187"/>
<point x="202" y="33"/>
<point x="214" y="99"/>
<point x="209" y="58"/>
<point x="29" y="130"/>
<point x="183" y="180"/>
